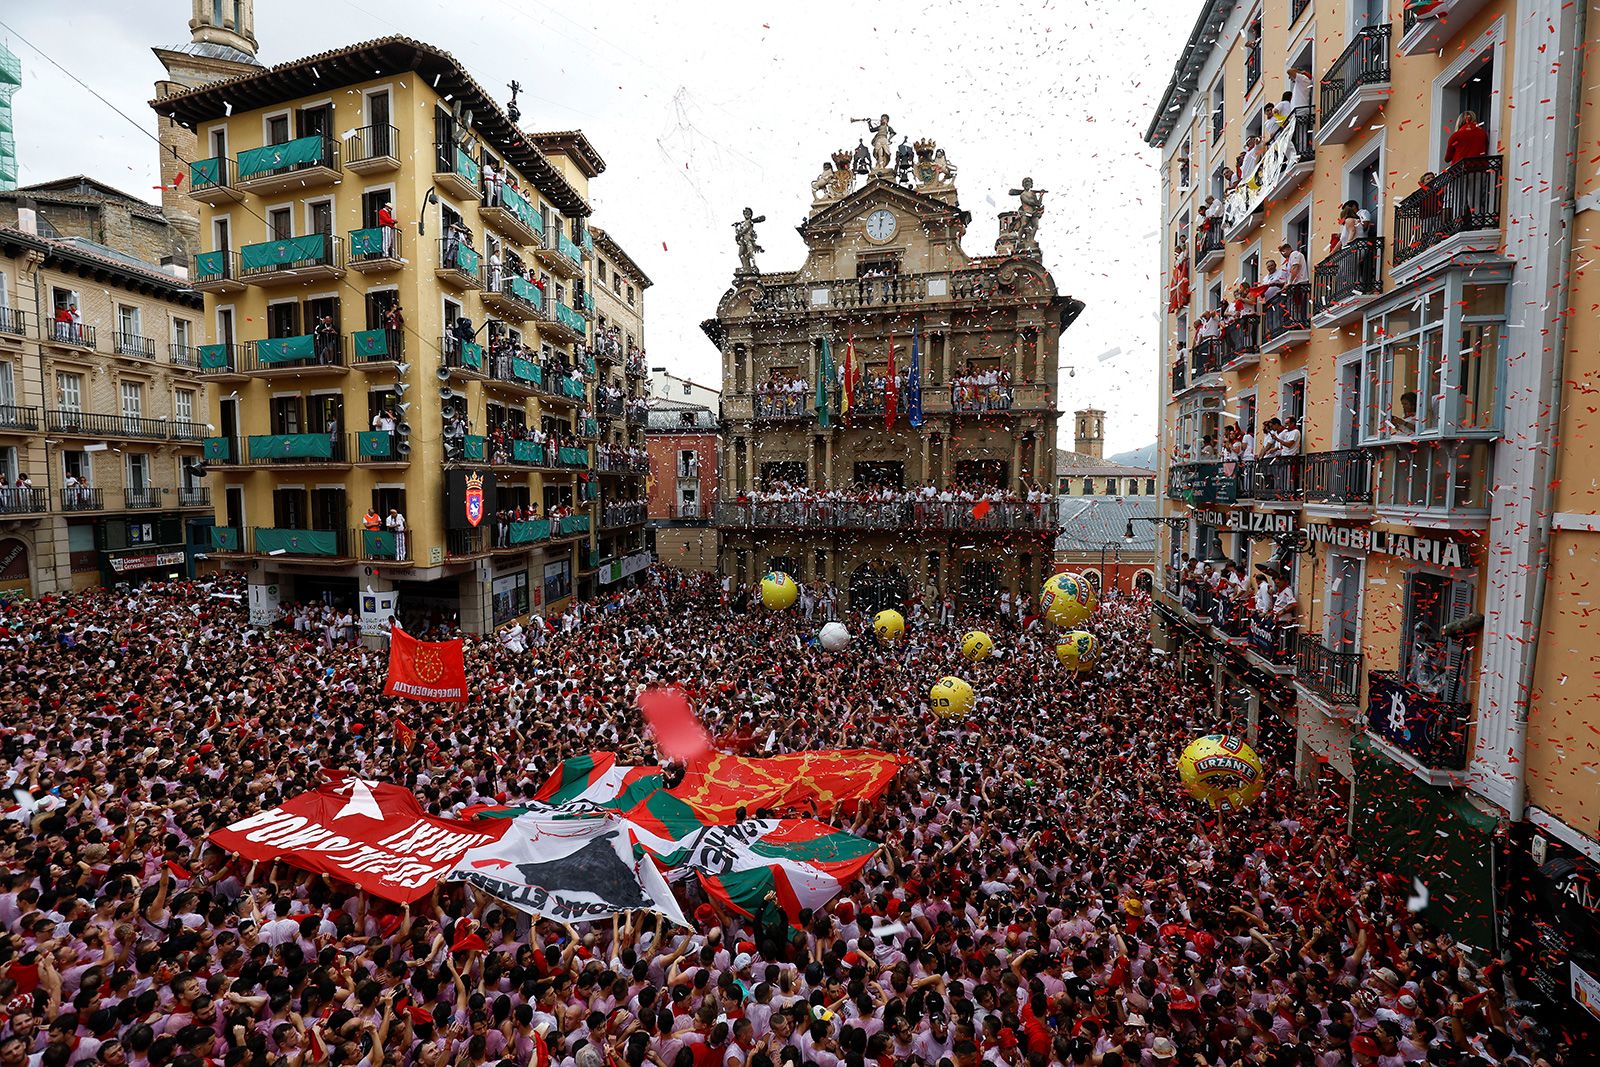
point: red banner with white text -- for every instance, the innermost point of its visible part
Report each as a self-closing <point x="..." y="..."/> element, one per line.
<point x="425" y="670"/>
<point x="371" y="834"/>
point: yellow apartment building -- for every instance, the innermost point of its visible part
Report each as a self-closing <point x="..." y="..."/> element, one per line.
<point x="397" y="323"/>
<point x="101" y="416"/>
<point x="1369" y="229"/>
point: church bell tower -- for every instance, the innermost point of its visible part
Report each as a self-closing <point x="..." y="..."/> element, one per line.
<point x="221" y="45"/>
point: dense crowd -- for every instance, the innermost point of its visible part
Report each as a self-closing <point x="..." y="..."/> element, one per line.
<point x="1045" y="895"/>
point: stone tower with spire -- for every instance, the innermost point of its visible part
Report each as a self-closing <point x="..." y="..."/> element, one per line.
<point x="222" y="45"/>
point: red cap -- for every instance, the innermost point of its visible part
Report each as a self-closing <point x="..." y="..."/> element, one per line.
<point x="1364" y="1044"/>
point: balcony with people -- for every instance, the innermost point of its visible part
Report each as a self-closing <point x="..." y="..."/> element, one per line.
<point x="1427" y="26"/>
<point x="980" y="391"/>
<point x="1279" y="153"/>
<point x="376" y="249"/>
<point x="618" y="514"/>
<point x="512" y="292"/>
<point x="1351" y="274"/>
<point x="621" y="459"/>
<point x="320" y="352"/>
<point x="293" y="260"/>
<point x="1356" y="86"/>
<point x="1253" y="611"/>
<point x="781" y="399"/>
<point x="1454" y="215"/>
<point x="299" y="165"/>
<point x="1209" y="245"/>
<point x="508" y="208"/>
<point x="460" y="265"/>
<point x="953" y="509"/>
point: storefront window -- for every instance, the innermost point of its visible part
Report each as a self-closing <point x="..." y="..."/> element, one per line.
<point x="510" y="597"/>
<point x="558" y="580"/>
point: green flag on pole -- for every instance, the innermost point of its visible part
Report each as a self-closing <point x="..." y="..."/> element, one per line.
<point x="824" y="381"/>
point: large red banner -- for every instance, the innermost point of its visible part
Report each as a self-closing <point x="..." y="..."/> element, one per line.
<point x="819" y="783"/>
<point x="425" y="670"/>
<point x="371" y="834"/>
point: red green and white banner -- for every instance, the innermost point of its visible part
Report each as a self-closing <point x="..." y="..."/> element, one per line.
<point x="597" y="778"/>
<point x="798" y="863"/>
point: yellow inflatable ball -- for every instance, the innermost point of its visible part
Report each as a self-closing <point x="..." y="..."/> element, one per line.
<point x="951" y="698"/>
<point x="889" y="625"/>
<point x="1077" y="650"/>
<point x="976" y="645"/>
<point x="778" y="591"/>
<point x="1222" y="771"/>
<point x="1067" y="600"/>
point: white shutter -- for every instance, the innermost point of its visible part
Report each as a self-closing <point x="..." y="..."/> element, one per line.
<point x="1456" y="651"/>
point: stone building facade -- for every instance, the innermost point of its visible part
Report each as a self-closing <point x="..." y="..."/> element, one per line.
<point x="885" y="274"/>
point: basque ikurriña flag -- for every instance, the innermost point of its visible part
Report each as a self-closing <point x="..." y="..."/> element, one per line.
<point x="914" y="383"/>
<point x="597" y="778"/>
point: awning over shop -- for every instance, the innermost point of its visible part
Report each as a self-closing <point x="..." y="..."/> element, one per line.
<point x="1429" y="833"/>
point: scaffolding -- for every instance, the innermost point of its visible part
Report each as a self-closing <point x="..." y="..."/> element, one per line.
<point x="10" y="82"/>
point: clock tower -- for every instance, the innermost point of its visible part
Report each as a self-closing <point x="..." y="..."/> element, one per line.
<point x="891" y="368"/>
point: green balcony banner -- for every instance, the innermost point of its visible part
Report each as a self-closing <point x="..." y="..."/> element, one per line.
<point x="219" y="450"/>
<point x="225" y="538"/>
<point x="472" y="354"/>
<point x="291" y="446"/>
<point x="297" y="542"/>
<point x="569" y="318"/>
<point x="213" y="357"/>
<point x="565" y="246"/>
<point x="210" y="265"/>
<point x="573" y="457"/>
<point x="205" y="173"/>
<point x="572" y="524"/>
<point x="526" y="290"/>
<point x="574" y="389"/>
<point x="285" y="349"/>
<point x="312" y="247"/>
<point x="467" y="259"/>
<point x="518" y="206"/>
<point x="466" y="166"/>
<point x="378" y="544"/>
<point x="375" y="444"/>
<point x="477" y="448"/>
<point x="530" y="532"/>
<point x="372" y="343"/>
<point x="367" y="242"/>
<point x="527" y="370"/>
<point x="591" y="428"/>
<point x="300" y="152"/>
<point x="527" y="452"/>
<point x="588" y="240"/>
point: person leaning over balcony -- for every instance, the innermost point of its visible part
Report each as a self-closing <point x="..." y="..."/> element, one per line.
<point x="1468" y="141"/>
<point x="396" y="524"/>
<point x="1285" y="604"/>
<point x="1271" y="283"/>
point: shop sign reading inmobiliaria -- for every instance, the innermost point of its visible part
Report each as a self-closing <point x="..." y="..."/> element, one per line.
<point x="1438" y="551"/>
<point x="1261" y="522"/>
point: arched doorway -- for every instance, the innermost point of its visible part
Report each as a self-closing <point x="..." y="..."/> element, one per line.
<point x="1093" y="578"/>
<point x="1144" y="582"/>
<point x="874" y="588"/>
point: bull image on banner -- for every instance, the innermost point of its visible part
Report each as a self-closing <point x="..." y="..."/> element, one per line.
<point x="572" y="869"/>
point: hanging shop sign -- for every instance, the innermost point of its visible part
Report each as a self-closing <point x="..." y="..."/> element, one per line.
<point x="1438" y="551"/>
<point x="1262" y="522"/>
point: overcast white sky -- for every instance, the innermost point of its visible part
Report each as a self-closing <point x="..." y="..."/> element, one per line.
<point x="702" y="108"/>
